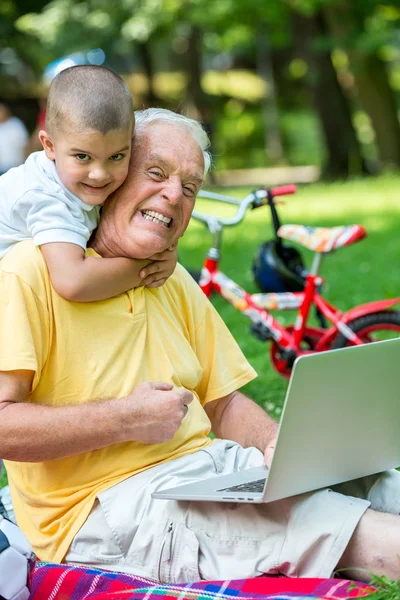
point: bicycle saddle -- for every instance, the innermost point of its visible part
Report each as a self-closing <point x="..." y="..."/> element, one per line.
<point x="322" y="239"/>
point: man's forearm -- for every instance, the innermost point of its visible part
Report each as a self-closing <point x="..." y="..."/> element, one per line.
<point x="240" y="419"/>
<point x="36" y="433"/>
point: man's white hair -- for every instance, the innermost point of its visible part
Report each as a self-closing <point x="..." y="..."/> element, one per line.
<point x="194" y="128"/>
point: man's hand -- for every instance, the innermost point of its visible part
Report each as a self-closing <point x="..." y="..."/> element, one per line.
<point x="236" y="417"/>
<point x="269" y="452"/>
<point x="156" y="273"/>
<point x="153" y="412"/>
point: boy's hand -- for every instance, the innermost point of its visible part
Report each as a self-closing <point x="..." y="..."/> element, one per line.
<point x="162" y="267"/>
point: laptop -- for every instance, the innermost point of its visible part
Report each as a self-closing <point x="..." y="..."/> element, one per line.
<point x="340" y="421"/>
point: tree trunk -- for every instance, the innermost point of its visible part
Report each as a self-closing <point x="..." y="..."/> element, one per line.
<point x="269" y="102"/>
<point x="196" y="96"/>
<point x="374" y="92"/>
<point x="195" y="93"/>
<point x="145" y="54"/>
<point x="344" y="152"/>
<point x="378" y="100"/>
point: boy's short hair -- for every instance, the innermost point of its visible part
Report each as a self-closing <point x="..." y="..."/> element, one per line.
<point x="91" y="97"/>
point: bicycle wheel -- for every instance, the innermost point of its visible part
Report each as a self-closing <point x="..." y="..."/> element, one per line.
<point x="372" y="328"/>
<point x="311" y="337"/>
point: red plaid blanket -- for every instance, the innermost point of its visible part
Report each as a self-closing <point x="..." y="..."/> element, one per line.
<point x="61" y="582"/>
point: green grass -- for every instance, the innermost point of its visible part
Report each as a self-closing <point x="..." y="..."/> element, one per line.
<point x="366" y="271"/>
<point x="386" y="589"/>
<point x="3" y="479"/>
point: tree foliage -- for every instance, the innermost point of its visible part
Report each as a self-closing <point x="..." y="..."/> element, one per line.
<point x="190" y="36"/>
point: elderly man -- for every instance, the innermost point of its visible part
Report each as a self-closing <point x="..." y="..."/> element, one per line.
<point x="104" y="402"/>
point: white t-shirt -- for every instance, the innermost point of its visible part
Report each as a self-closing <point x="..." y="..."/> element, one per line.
<point x="13" y="139"/>
<point x="35" y="204"/>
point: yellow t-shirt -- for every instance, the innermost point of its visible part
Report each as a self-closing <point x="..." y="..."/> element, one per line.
<point x="83" y="352"/>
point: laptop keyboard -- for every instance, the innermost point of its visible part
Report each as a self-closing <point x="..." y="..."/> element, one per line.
<point x="250" y="486"/>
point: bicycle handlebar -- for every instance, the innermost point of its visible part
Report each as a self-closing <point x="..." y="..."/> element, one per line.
<point x="255" y="200"/>
<point x="283" y="190"/>
<point x="219" y="197"/>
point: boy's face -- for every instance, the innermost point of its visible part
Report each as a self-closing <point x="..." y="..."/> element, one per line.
<point x="90" y="164"/>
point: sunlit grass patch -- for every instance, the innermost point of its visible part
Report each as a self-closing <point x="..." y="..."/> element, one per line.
<point x="386" y="589"/>
<point x="3" y="479"/>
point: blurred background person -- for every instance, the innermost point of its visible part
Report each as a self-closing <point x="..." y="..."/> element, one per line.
<point x="13" y="139"/>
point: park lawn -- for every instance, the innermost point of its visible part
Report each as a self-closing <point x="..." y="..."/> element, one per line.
<point x="3" y="479"/>
<point x="368" y="270"/>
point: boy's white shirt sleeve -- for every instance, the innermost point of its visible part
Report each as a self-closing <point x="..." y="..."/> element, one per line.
<point x="54" y="218"/>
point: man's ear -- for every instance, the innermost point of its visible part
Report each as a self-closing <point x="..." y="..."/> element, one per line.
<point x="47" y="144"/>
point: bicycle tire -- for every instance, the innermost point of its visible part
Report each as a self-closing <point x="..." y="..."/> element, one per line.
<point x="388" y="320"/>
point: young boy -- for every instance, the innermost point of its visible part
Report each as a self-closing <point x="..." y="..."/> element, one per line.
<point x="55" y="197"/>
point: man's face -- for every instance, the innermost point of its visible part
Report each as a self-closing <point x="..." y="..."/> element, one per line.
<point x="90" y="164"/>
<point x="151" y="211"/>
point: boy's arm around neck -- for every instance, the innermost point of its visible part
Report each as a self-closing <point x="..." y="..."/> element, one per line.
<point x="81" y="278"/>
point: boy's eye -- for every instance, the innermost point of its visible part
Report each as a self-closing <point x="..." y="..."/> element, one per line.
<point x="117" y="157"/>
<point x="82" y="157"/>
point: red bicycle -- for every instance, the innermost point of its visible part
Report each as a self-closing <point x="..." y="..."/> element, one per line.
<point x="360" y="325"/>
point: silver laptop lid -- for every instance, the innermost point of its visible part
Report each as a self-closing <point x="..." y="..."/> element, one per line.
<point x="341" y="416"/>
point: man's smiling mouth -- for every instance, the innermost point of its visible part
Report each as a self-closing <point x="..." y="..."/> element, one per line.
<point x="152" y="215"/>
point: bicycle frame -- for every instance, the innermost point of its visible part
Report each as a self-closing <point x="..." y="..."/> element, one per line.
<point x="213" y="280"/>
<point x="290" y="341"/>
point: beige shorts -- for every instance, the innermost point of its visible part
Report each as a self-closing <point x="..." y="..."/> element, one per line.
<point x="175" y="542"/>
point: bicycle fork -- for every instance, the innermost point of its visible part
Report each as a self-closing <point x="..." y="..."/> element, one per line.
<point x="264" y="326"/>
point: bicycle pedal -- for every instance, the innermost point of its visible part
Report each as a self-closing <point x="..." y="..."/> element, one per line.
<point x="260" y="331"/>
